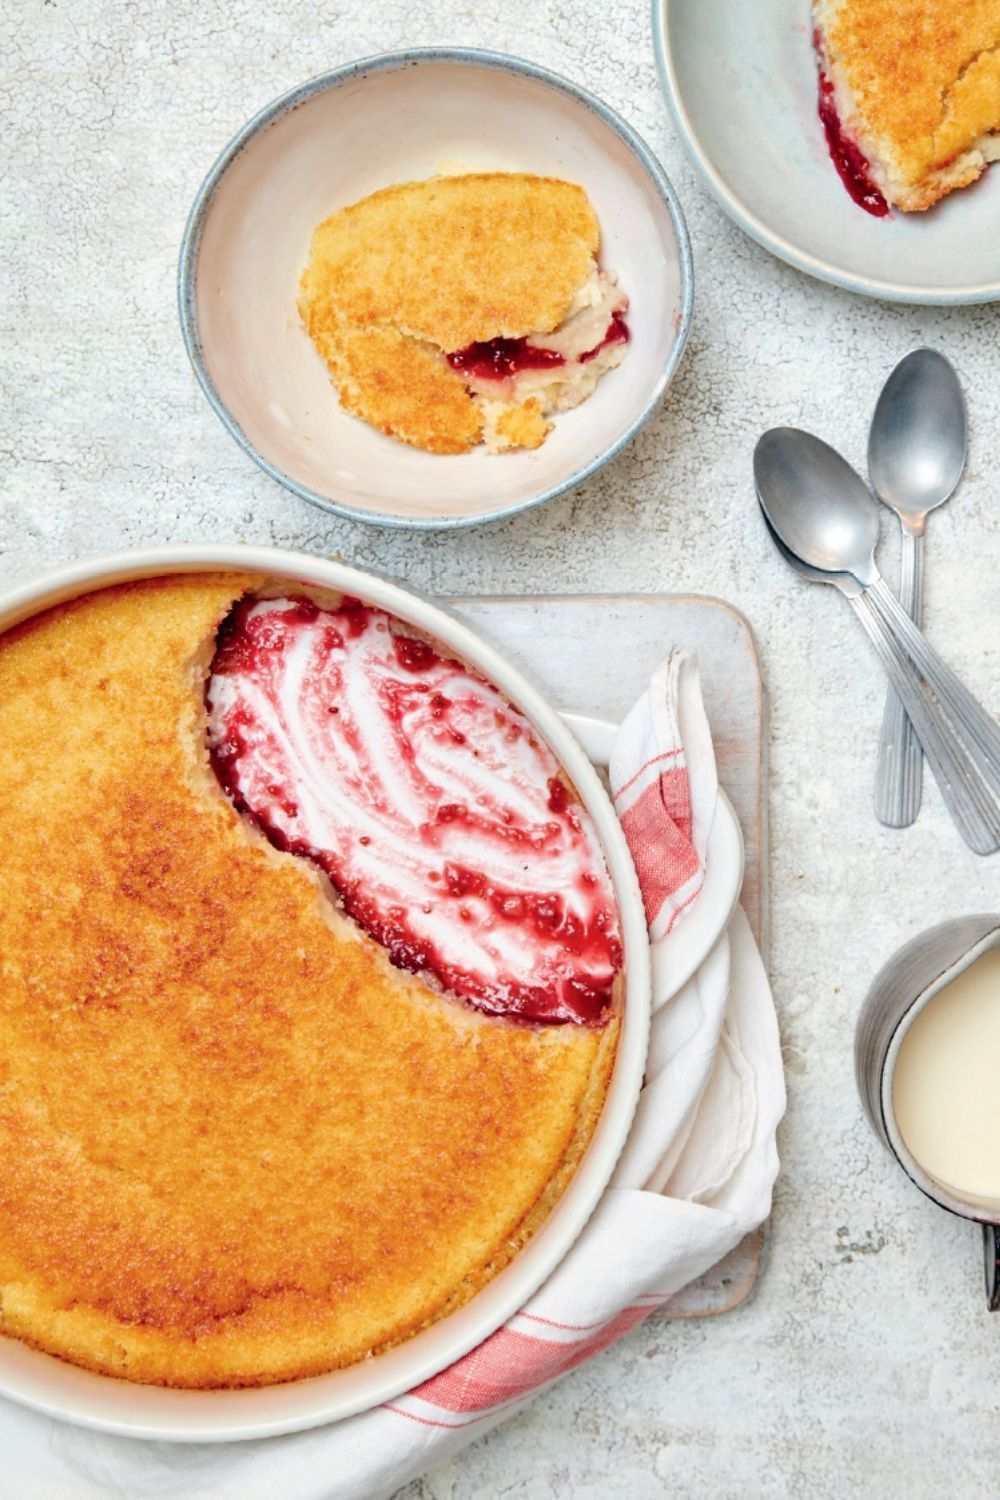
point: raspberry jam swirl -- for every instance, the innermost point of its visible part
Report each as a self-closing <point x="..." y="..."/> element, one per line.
<point x="848" y="158"/>
<point x="437" y="813"/>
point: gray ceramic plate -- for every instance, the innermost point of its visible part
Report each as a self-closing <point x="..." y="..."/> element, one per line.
<point x="740" y="79"/>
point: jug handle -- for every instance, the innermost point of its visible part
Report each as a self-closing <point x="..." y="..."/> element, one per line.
<point x="991" y="1247"/>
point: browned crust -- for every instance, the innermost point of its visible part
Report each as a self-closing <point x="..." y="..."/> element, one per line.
<point x="401" y="386"/>
<point x="918" y="85"/>
<point x="238" y="1146"/>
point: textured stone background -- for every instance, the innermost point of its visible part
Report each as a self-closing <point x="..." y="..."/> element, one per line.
<point x="865" y="1364"/>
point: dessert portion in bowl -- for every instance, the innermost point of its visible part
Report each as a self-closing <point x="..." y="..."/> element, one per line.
<point x="312" y="981"/>
<point x="464" y="309"/>
<point x="909" y="96"/>
<point x="411" y="265"/>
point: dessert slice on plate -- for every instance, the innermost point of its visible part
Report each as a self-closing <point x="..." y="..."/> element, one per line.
<point x="464" y="309"/>
<point x="909" y="96"/>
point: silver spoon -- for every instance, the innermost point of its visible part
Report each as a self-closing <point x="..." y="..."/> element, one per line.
<point x="825" y="517"/>
<point x="916" y="454"/>
<point x="962" y="791"/>
<point x="824" y="514"/>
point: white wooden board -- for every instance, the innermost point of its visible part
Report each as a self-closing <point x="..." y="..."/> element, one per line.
<point x="594" y="653"/>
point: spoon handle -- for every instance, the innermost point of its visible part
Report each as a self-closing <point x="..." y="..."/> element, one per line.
<point x="899" y="769"/>
<point x="978" y="732"/>
<point x="976" y="815"/>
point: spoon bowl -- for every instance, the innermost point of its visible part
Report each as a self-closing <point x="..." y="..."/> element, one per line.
<point x="818" y="506"/>
<point x="919" y="437"/>
<point x="843" y="581"/>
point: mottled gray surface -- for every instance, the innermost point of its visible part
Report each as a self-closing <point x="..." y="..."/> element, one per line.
<point x="865" y="1364"/>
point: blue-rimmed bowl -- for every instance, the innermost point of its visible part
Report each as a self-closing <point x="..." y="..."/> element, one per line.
<point x="341" y="136"/>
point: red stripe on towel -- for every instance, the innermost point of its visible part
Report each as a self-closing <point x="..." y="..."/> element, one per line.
<point x="658" y="829"/>
<point x="509" y="1365"/>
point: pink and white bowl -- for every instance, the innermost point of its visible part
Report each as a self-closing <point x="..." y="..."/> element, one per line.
<point x="389" y="119"/>
<point x="61" y="1390"/>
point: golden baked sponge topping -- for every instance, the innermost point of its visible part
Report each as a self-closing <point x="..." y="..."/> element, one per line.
<point x="498" y="253"/>
<point x="421" y="292"/>
<point x="240" y="1147"/>
<point x="917" y="85"/>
